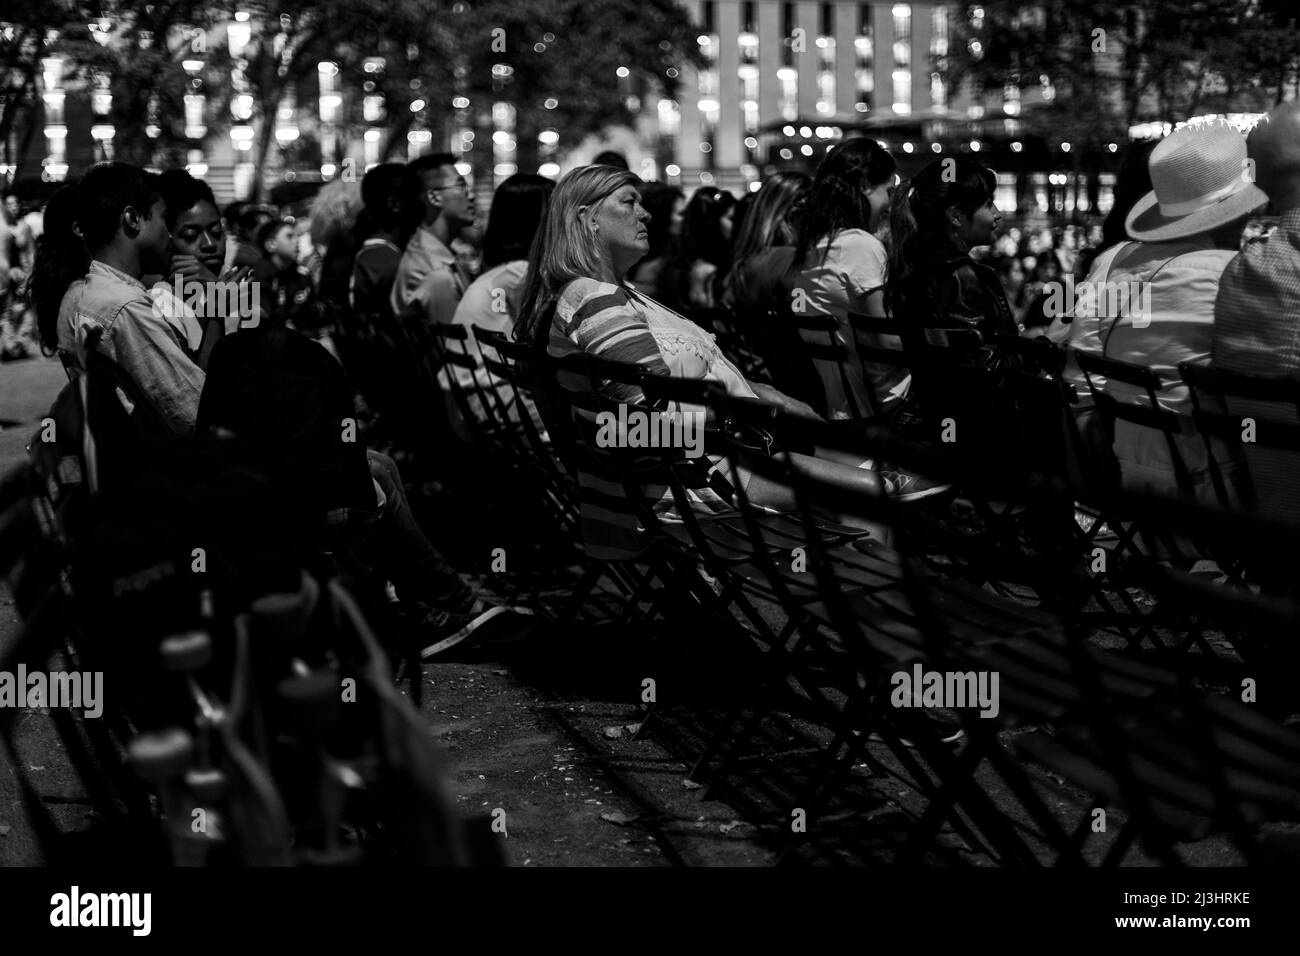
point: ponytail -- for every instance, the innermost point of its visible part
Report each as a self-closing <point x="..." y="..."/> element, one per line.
<point x="61" y="259"/>
<point x="903" y="234"/>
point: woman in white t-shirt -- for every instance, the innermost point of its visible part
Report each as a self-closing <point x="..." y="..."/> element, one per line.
<point x="839" y="267"/>
<point x="490" y="301"/>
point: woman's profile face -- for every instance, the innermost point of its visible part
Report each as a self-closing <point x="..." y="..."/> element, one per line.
<point x="878" y="201"/>
<point x="980" y="227"/>
<point x="199" y="232"/>
<point x="620" y="227"/>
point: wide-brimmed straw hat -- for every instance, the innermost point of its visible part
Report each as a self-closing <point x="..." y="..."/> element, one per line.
<point x="1202" y="181"/>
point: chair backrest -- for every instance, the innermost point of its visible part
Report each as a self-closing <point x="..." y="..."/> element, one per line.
<point x="1256" y="420"/>
<point x="617" y="494"/>
<point x="1149" y="415"/>
<point x="879" y="339"/>
<point x="820" y="343"/>
<point x="508" y="402"/>
<point x="459" y="377"/>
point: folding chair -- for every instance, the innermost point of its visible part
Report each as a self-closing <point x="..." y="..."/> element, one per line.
<point x="510" y="404"/>
<point x="1185" y="762"/>
<point x="914" y="616"/>
<point x="1144" y="412"/>
<point x="39" y="514"/>
<point x="617" y="495"/>
<point x="820" y="343"/>
<point x="465" y="392"/>
<point x="1229" y="405"/>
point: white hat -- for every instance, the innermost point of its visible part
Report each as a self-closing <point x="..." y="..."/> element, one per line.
<point x="1202" y="181"/>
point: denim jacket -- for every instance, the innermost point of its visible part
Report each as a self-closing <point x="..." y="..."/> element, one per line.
<point x="138" y="336"/>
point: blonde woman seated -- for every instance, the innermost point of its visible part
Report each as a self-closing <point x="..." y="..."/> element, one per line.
<point x="593" y="233"/>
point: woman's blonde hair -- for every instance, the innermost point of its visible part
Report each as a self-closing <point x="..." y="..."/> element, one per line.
<point x="334" y="210"/>
<point x="564" y="248"/>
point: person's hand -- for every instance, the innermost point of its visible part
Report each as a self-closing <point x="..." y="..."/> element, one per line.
<point x="783" y="401"/>
<point x="236" y="274"/>
<point x="190" y="268"/>
<point x="796" y="407"/>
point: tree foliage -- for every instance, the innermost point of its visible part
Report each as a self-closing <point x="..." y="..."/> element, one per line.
<point x="526" y="52"/>
<point x="1112" y="64"/>
<point x="569" y="52"/>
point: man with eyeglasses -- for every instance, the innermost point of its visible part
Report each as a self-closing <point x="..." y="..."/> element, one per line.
<point x="428" y="282"/>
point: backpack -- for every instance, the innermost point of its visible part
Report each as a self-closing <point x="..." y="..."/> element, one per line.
<point x="290" y="400"/>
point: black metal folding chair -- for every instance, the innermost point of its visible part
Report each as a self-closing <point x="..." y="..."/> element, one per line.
<point x="1231" y="407"/>
<point x="820" y="343"/>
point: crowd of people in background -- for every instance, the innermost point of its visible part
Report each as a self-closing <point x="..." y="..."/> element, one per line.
<point x="311" y="243"/>
<point x="611" y="265"/>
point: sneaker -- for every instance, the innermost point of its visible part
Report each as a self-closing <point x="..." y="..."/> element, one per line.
<point x="904" y="486"/>
<point x="948" y="732"/>
<point x="482" y="624"/>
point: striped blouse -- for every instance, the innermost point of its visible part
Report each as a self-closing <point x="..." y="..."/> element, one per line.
<point x="617" y="323"/>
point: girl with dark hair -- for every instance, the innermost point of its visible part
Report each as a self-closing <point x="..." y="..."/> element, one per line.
<point x="946" y="210"/>
<point x="757" y="288"/>
<point x="61" y="260"/>
<point x="667" y="207"/>
<point x="517" y="209"/>
<point x="205" y="311"/>
<point x="704" y="256"/>
<point x="516" y="212"/>
<point x="744" y="205"/>
<point x="840" y="267"/>
<point x="491" y="301"/>
<point x="764" y="247"/>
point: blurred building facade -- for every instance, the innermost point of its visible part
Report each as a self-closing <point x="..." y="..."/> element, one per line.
<point x="783" y="81"/>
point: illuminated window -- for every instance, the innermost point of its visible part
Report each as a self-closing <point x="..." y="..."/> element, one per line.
<point x="863" y="56"/>
<point x="670" y="118"/>
<point x="102" y="98"/>
<point x="976" y="108"/>
<point x="789" y="78"/>
<point x="1004" y="197"/>
<point x="194" y="128"/>
<point x="902" y="91"/>
<point x="53" y="95"/>
<point x="1011" y="99"/>
<point x="1105" y="192"/>
<point x="939" y="32"/>
<point x="826" y="57"/>
<point x="902" y="35"/>
<point x="939" y="56"/>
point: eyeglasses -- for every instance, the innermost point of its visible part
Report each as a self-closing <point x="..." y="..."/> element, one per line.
<point x="460" y="184"/>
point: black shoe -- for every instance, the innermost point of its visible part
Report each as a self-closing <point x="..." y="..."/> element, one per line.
<point x="905" y="486"/>
<point x="483" y="624"/>
<point x="945" y="730"/>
